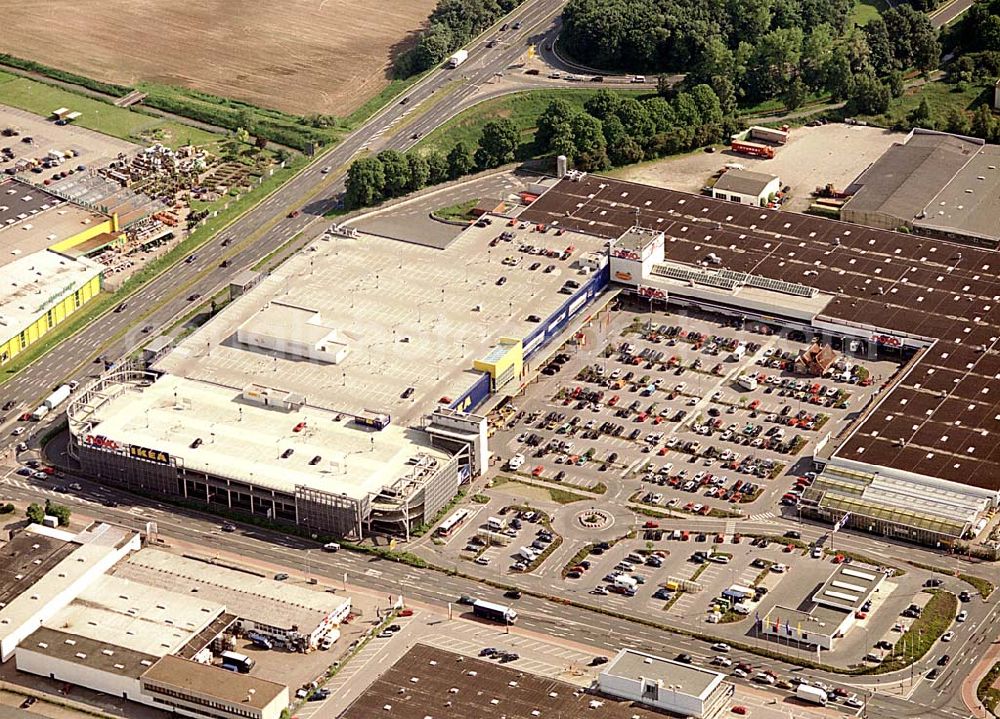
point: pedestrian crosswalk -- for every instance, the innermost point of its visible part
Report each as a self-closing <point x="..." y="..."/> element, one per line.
<point x="762" y="517"/>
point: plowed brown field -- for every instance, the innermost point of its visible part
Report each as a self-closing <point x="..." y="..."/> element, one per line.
<point x="301" y="56"/>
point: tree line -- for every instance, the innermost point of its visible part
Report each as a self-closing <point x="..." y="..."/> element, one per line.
<point x="609" y="130"/>
<point x="750" y="51"/>
<point x="974" y="42"/>
<point x="392" y="173"/>
<point x="452" y="24"/>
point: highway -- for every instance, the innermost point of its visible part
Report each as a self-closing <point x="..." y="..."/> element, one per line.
<point x="433" y="100"/>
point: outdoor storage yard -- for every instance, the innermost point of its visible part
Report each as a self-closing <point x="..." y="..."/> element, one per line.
<point x="293" y="57"/>
<point x="94" y="148"/>
<point x="813" y="157"/>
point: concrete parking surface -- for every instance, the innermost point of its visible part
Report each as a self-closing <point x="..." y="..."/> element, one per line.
<point x="814" y="156"/>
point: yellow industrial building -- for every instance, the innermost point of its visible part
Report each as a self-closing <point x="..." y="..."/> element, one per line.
<point x="43" y="284"/>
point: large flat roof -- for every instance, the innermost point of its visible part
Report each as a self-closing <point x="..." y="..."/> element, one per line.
<point x="432" y="682"/>
<point x="91" y="652"/>
<point x="60" y="566"/>
<point x="971" y="200"/>
<point x="32" y="219"/>
<point x="206" y="680"/>
<point x="132" y="615"/>
<point x="25" y="559"/>
<point x="941" y="417"/>
<point x="246" y="595"/>
<point x="849" y="586"/>
<point x="687" y="679"/>
<point x="411" y="316"/>
<point x="245" y="441"/>
<point x="909" y="174"/>
<point x="32" y="284"/>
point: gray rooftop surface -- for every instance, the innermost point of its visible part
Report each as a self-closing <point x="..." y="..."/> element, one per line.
<point x="209" y="681"/>
<point x="745" y="182"/>
<point x="411" y="316"/>
<point x="971" y="200"/>
<point x="451" y="686"/>
<point x="25" y="559"/>
<point x="142" y="617"/>
<point x="89" y="652"/>
<point x="32" y="220"/>
<point x="850" y="585"/>
<point x="686" y="678"/>
<point x="909" y="176"/>
<point x="246" y="595"/>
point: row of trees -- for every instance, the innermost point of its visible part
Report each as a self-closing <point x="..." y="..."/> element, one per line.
<point x="450" y="26"/>
<point x="610" y="129"/>
<point x="391" y="173"/>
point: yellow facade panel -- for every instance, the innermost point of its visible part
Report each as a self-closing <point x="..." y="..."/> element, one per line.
<point x="109" y="225"/>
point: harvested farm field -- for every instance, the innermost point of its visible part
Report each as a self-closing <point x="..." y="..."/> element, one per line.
<point x="300" y="56"/>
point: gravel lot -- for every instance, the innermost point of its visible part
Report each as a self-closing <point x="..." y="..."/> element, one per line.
<point x="814" y="156"/>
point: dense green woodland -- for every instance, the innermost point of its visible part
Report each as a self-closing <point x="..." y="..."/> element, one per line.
<point x="763" y="49"/>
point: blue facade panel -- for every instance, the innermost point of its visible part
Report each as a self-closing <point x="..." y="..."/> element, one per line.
<point x="474" y="396"/>
<point x="548" y="330"/>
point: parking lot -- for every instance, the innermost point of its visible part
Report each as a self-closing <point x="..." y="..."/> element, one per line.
<point x="695" y="415"/>
<point x="86" y="147"/>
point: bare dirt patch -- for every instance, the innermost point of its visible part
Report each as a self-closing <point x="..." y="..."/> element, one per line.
<point x="301" y="56"/>
<point x="814" y="156"/>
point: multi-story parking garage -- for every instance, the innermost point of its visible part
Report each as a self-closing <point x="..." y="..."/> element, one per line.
<point x="347" y="411"/>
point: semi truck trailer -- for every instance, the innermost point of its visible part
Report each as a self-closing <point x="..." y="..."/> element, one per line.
<point x="458" y="58"/>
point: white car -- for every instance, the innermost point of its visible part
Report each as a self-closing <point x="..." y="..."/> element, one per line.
<point x="947" y="636"/>
<point x="854" y="701"/>
<point x="737" y="672"/>
<point x="722" y="661"/>
<point x="720" y="647"/>
<point x="962" y="616"/>
<point x="17" y="431"/>
<point x="515" y="462"/>
<point x="482" y="561"/>
<point x="778" y="568"/>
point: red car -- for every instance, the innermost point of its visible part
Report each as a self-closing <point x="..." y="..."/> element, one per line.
<point x="650" y="524"/>
<point x="537" y="471"/>
<point x="293" y="214"/>
<point x="739" y="709"/>
<point x="299" y="427"/>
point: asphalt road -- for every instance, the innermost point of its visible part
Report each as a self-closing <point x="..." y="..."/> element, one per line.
<point x="950" y="12"/>
<point x="432" y="101"/>
<point x="539" y="615"/>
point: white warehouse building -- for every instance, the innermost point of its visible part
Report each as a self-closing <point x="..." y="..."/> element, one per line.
<point x="663" y="684"/>
<point x="746" y="187"/>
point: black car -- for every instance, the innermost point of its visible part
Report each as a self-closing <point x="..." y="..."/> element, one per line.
<point x="501" y="282"/>
<point x="792" y="534"/>
<point x="512" y="594"/>
<point x="933" y="674"/>
<point x="933" y="582"/>
<point x="109" y="503"/>
<point x="685" y="658"/>
<point x="466" y="599"/>
<point x="407" y="392"/>
<point x="597" y="661"/>
<point x="9" y="404"/>
<point x="943" y="661"/>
